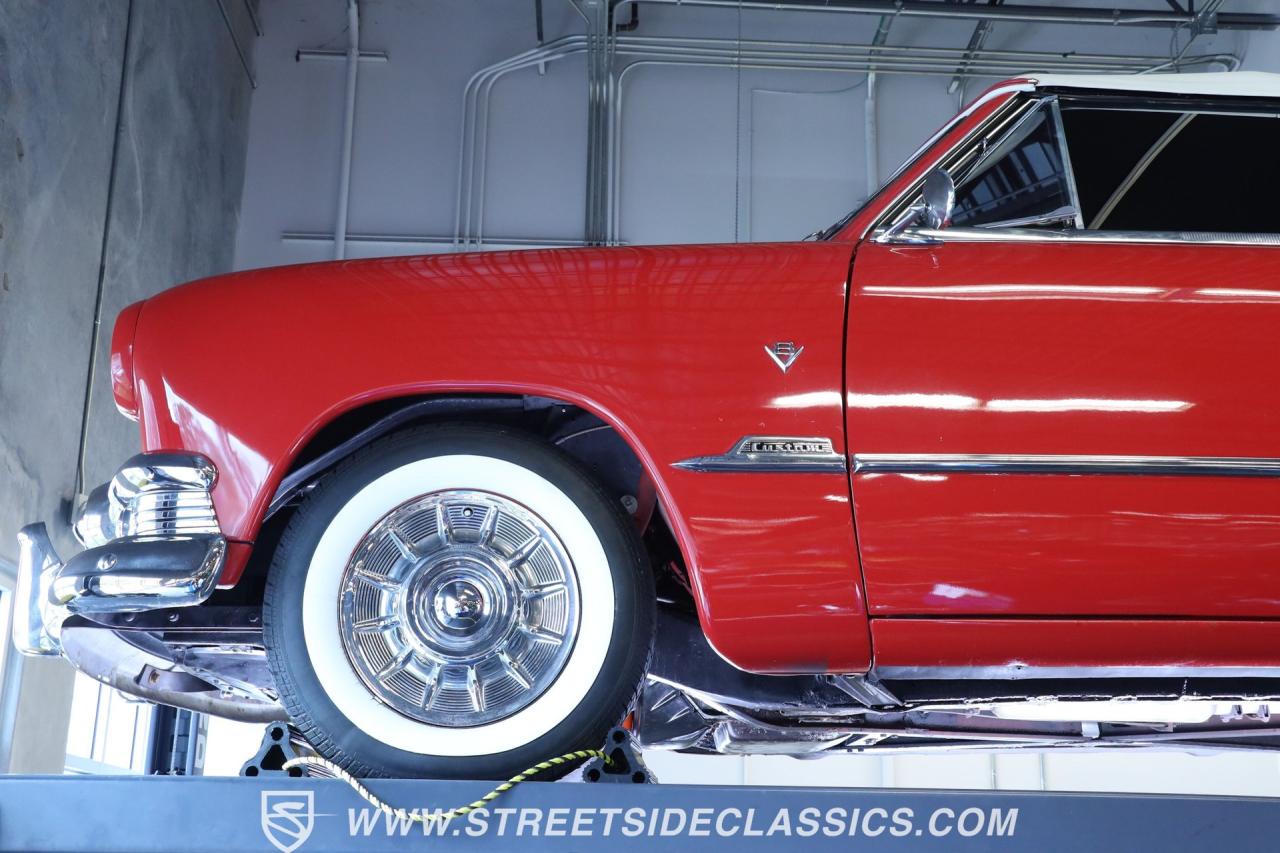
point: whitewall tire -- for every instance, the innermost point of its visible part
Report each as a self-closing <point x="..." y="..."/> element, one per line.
<point x="458" y="600"/>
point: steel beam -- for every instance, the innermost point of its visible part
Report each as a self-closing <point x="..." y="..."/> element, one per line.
<point x="1013" y="12"/>
<point x="976" y="42"/>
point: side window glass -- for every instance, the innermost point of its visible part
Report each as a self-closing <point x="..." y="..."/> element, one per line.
<point x="1174" y="171"/>
<point x="1023" y="181"/>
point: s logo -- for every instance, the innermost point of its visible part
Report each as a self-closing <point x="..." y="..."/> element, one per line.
<point x="288" y="818"/>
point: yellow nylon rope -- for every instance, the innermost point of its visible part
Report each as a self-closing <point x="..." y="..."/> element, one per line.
<point x="417" y="816"/>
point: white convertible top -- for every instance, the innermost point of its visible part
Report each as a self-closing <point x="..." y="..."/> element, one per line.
<point x="1241" y="84"/>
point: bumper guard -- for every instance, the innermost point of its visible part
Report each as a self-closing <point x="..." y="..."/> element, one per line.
<point x="153" y="542"/>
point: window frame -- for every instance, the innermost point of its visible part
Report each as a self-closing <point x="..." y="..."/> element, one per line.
<point x="106" y="731"/>
<point x="888" y="227"/>
<point x="992" y="153"/>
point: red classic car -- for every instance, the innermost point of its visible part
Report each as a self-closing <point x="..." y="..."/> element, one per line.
<point x="993" y="460"/>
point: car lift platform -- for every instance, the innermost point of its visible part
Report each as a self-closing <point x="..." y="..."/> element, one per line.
<point x="170" y="814"/>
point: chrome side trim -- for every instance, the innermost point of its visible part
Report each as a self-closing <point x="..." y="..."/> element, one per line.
<point x="1023" y="672"/>
<point x="1036" y="235"/>
<point x="772" y="454"/>
<point x="981" y="463"/>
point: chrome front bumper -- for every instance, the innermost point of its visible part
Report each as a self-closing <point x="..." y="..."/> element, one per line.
<point x="152" y="541"/>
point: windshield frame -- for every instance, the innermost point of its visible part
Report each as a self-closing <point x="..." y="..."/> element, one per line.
<point x="999" y="91"/>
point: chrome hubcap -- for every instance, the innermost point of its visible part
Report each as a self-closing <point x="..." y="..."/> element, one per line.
<point x="459" y="608"/>
<point x="459" y="605"/>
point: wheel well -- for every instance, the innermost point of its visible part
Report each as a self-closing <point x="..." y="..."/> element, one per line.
<point x="590" y="440"/>
<point x="579" y="433"/>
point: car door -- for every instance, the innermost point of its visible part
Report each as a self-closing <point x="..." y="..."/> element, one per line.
<point x="1067" y="403"/>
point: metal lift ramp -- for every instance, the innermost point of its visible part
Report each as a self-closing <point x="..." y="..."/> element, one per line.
<point x="273" y="805"/>
<point x="275" y="811"/>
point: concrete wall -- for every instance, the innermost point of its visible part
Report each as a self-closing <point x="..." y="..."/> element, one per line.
<point x="166" y="214"/>
<point x="57" y="121"/>
<point x="179" y="175"/>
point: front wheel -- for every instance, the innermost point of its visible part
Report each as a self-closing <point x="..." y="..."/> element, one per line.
<point x="457" y="601"/>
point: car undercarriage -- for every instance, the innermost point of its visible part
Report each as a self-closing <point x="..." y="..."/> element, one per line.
<point x="211" y="659"/>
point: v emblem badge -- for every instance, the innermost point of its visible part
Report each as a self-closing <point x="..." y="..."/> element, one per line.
<point x="784" y="353"/>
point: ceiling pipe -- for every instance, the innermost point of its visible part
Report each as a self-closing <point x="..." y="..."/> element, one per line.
<point x="776" y="55"/>
<point x="871" y="132"/>
<point x="976" y="42"/>
<point x="475" y="116"/>
<point x="348" y="129"/>
<point x="1018" y="12"/>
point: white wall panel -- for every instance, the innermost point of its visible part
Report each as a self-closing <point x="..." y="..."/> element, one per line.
<point x="678" y="174"/>
<point x="697" y="144"/>
<point x="802" y="170"/>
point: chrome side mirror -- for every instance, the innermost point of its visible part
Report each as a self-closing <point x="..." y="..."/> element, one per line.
<point x="932" y="212"/>
<point x="939" y="198"/>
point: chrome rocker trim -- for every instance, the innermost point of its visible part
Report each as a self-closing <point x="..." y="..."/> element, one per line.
<point x="154" y="542"/>
<point x="983" y="463"/>
<point x="1024" y="672"/>
<point x="772" y="454"/>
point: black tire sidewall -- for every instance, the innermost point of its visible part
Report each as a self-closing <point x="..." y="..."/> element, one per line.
<point x="337" y="737"/>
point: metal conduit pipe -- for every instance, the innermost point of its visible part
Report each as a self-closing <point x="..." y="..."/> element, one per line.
<point x="953" y="54"/>
<point x="601" y="64"/>
<point x="890" y="9"/>
<point x="475" y="124"/>
<point x="724" y="53"/>
<point x="615" y="173"/>
<point x="548" y="52"/>
<point x="1028" y="14"/>
<point x="348" y="130"/>
<point x="930" y="67"/>
<point x="615" y="162"/>
<point x="597" y="16"/>
<point x="480" y="153"/>
<point x="615" y="176"/>
<point x="1018" y="61"/>
<point x="891" y="63"/>
<point x="870" y="132"/>
<point x="728" y="59"/>
<point x="465" y="134"/>
<point x="481" y="83"/>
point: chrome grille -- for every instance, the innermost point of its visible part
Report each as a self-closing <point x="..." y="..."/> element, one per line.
<point x="165" y="513"/>
<point x="153" y="494"/>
